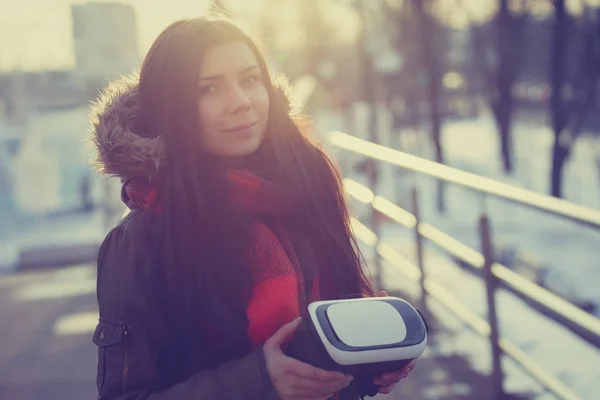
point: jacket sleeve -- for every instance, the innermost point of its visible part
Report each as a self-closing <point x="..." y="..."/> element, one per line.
<point x="131" y="339"/>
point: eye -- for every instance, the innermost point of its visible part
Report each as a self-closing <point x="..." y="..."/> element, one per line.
<point x="252" y="79"/>
<point x="207" y="89"/>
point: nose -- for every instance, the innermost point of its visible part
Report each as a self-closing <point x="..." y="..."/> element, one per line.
<point x="238" y="100"/>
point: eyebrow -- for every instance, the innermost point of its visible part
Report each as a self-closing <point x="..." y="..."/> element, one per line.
<point x="216" y="77"/>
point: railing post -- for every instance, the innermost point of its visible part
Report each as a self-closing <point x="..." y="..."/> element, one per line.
<point x="377" y="259"/>
<point x="419" y="246"/>
<point x="398" y="174"/>
<point x="490" y="285"/>
<point x="374" y="222"/>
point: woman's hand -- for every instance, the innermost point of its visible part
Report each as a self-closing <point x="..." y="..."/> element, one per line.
<point x="388" y="381"/>
<point x="294" y="379"/>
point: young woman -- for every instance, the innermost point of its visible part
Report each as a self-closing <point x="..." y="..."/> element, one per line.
<point x="237" y="222"/>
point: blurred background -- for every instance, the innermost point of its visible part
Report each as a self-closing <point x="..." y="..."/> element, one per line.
<point x="503" y="89"/>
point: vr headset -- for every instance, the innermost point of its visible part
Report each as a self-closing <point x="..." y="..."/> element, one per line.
<point x="365" y="337"/>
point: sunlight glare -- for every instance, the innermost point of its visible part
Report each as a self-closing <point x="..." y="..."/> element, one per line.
<point x="540" y="9"/>
<point x="246" y="9"/>
<point x="358" y="191"/>
<point x="453" y="80"/>
<point x="363" y="233"/>
<point x="342" y="20"/>
<point x="395" y="4"/>
<point x="544" y="9"/>
<point x="459" y="14"/>
<point x="55" y="290"/>
<point x="76" y="324"/>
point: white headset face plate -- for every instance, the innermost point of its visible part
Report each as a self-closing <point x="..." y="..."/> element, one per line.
<point x="366" y="324"/>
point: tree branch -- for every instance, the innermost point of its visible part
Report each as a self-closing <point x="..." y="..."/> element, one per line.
<point x="587" y="78"/>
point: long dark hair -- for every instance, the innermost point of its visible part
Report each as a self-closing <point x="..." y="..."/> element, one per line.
<point x="203" y="237"/>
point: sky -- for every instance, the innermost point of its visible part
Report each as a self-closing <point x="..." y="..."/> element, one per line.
<point x="37" y="34"/>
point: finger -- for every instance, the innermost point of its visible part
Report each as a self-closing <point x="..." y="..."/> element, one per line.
<point x="388" y="382"/>
<point x="382" y="381"/>
<point x="390" y="378"/>
<point x="382" y="293"/>
<point x="385" y="382"/>
<point x="309" y="387"/>
<point x="308" y="371"/>
<point x="284" y="333"/>
<point x="407" y="369"/>
<point x="314" y="398"/>
<point x="386" y="389"/>
<point x="411" y="365"/>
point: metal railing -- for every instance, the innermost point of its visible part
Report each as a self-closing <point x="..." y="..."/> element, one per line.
<point x="493" y="274"/>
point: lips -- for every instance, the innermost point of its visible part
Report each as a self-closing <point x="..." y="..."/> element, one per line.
<point x="242" y="127"/>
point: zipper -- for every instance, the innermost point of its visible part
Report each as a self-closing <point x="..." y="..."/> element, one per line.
<point x="125" y="357"/>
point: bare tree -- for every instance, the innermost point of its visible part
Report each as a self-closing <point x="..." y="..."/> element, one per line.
<point x="572" y="100"/>
<point x="500" y="76"/>
<point x="315" y="38"/>
<point x="502" y="102"/>
<point x="419" y="41"/>
<point x="432" y="65"/>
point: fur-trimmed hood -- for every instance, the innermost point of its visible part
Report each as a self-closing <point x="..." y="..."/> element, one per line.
<point x="122" y="149"/>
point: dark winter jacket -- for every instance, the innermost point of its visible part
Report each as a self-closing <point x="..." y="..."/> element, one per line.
<point x="139" y="356"/>
<point x="135" y="345"/>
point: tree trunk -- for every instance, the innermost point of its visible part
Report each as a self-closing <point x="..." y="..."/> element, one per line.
<point x="432" y="66"/>
<point x="560" y="153"/>
<point x="505" y="82"/>
<point x="558" y="105"/>
<point x="504" y="121"/>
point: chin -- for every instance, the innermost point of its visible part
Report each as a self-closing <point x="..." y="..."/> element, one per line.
<point x="243" y="151"/>
<point x="238" y="147"/>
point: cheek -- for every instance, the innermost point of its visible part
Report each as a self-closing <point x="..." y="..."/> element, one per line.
<point x="261" y="103"/>
<point x="208" y="126"/>
<point x="208" y="116"/>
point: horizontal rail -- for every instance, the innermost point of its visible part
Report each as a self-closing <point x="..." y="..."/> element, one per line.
<point x="580" y="214"/>
<point x="475" y="322"/>
<point x="582" y="323"/>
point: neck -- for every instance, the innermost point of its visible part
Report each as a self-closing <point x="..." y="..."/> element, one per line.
<point x="255" y="163"/>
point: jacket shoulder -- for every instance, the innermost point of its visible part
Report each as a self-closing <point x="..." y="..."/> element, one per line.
<point x="135" y="221"/>
<point x="127" y="265"/>
<point x="132" y="233"/>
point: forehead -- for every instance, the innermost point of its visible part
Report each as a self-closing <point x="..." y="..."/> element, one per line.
<point x="227" y="59"/>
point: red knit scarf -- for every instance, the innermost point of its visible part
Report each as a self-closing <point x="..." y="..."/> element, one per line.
<point x="278" y="289"/>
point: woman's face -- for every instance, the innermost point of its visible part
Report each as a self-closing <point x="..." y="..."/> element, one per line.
<point x="233" y="101"/>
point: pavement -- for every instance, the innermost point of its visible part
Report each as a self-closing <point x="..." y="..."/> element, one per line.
<point x="49" y="315"/>
<point x="443" y="375"/>
<point x="457" y="362"/>
<point x="47" y="322"/>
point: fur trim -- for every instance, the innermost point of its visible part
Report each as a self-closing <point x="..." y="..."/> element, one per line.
<point x="116" y="123"/>
<point x="115" y="119"/>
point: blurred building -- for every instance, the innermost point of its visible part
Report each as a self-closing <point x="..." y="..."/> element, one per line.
<point x="105" y="40"/>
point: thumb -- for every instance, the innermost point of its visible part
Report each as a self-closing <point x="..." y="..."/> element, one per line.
<point x="285" y="333"/>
